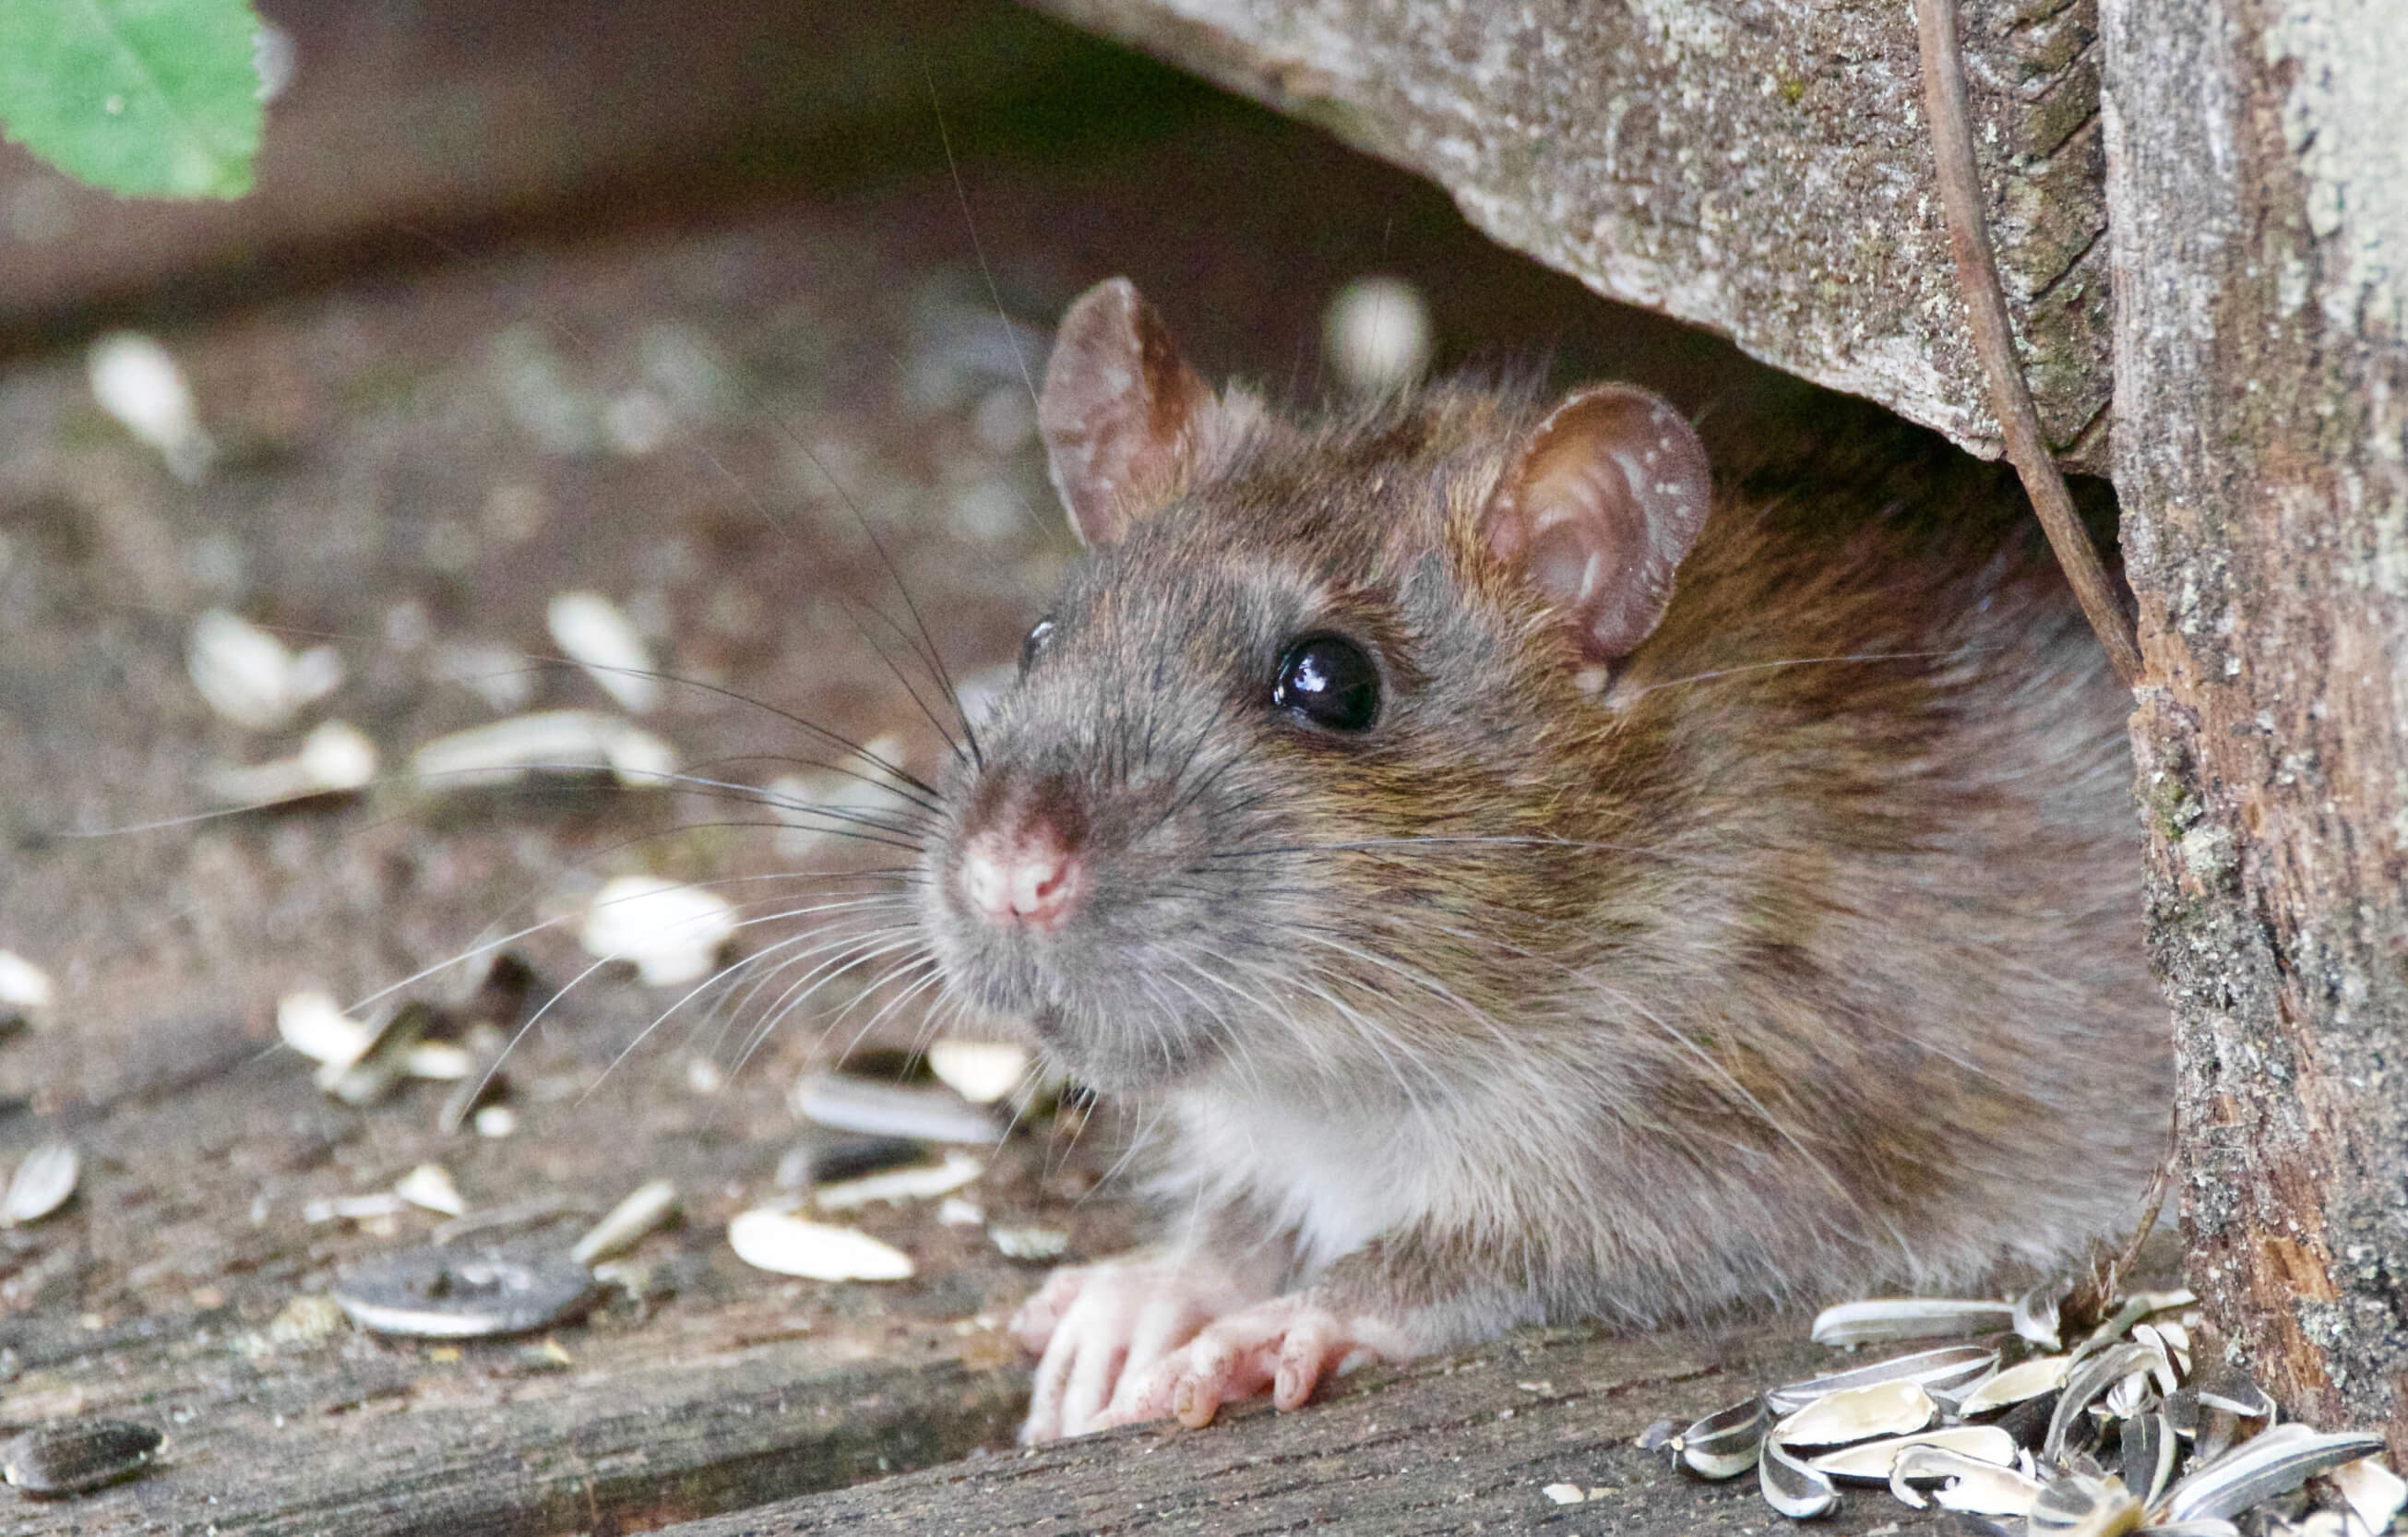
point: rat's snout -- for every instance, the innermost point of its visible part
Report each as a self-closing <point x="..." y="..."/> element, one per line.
<point x="1023" y="874"/>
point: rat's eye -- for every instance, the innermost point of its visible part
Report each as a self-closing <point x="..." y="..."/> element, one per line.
<point x="1038" y="634"/>
<point x="1328" y="680"/>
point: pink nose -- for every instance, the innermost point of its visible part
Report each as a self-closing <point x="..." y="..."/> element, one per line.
<point x="1030" y="878"/>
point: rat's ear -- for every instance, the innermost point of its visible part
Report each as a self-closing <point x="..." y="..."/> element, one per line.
<point x="1122" y="414"/>
<point x="1598" y="507"/>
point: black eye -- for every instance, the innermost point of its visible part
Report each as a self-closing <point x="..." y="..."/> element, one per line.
<point x="1327" y="679"/>
<point x="1033" y="642"/>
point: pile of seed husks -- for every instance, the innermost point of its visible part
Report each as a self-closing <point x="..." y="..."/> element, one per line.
<point x="2120" y="1434"/>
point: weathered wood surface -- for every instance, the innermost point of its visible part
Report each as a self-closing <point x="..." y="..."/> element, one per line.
<point x="2260" y="182"/>
<point x="1756" y="167"/>
<point x="1453" y="1448"/>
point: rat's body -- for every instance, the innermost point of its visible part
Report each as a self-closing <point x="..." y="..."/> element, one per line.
<point x="1586" y="955"/>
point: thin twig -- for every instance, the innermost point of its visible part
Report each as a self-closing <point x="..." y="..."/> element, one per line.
<point x="1986" y="305"/>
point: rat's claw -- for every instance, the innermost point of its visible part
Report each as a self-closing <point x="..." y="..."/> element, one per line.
<point x="1286" y="1345"/>
<point x="1101" y="1329"/>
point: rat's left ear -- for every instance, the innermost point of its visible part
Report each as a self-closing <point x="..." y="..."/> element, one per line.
<point x="1597" y="509"/>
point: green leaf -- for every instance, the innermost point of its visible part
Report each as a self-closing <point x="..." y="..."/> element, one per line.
<point x="144" y="98"/>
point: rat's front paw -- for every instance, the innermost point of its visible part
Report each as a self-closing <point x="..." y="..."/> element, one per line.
<point x="1287" y="1344"/>
<point x="1101" y="1329"/>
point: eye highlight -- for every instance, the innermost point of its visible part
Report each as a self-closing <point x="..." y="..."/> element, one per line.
<point x="1329" y="681"/>
<point x="1035" y="642"/>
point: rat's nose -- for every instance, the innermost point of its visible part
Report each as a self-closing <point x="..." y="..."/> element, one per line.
<point x="1026" y="878"/>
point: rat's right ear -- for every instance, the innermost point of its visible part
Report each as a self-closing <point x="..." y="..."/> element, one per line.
<point x="1597" y="509"/>
<point x="1122" y="415"/>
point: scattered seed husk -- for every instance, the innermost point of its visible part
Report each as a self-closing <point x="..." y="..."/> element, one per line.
<point x="921" y="1182"/>
<point x="2025" y="1380"/>
<point x="495" y="1121"/>
<point x="2128" y="1397"/>
<point x="1854" y="1414"/>
<point x="2174" y="1342"/>
<point x="1564" y="1494"/>
<point x="443" y="1061"/>
<point x="1659" y="1436"/>
<point x="829" y="1156"/>
<point x="598" y="638"/>
<point x="981" y="1071"/>
<point x="1942" y="1372"/>
<point x="457" y="1293"/>
<point x="2149" y="1450"/>
<point x="430" y="1186"/>
<point x="2035" y="1317"/>
<point x="1792" y="1487"/>
<point x="2190" y="1528"/>
<point x="646" y="1208"/>
<point x="2219" y="1386"/>
<point x="1973" y="1484"/>
<point x="306" y="1320"/>
<point x="2084" y="1386"/>
<point x="2079" y="1504"/>
<point x="778" y="1241"/>
<point x="2373" y="1493"/>
<point x="2272" y="1462"/>
<point x="848" y="1103"/>
<point x="336" y="758"/>
<point x="313" y="1024"/>
<point x="136" y="380"/>
<point x="373" y="1074"/>
<point x="473" y="1095"/>
<point x="76" y="1456"/>
<point x="250" y="676"/>
<point x="961" y="1212"/>
<point x="1725" y="1444"/>
<point x="1871" y="1461"/>
<point x="361" y="1208"/>
<point x="1881" y="1319"/>
<point x="41" y="1185"/>
<point x="1029" y="1244"/>
<point x="552" y="741"/>
<point x="672" y="932"/>
<point x="23" y="985"/>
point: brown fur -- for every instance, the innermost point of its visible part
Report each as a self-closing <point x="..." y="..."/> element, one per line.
<point x="1807" y="956"/>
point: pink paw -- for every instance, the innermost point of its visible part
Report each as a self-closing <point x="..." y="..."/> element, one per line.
<point x="1287" y="1344"/>
<point x="1099" y="1329"/>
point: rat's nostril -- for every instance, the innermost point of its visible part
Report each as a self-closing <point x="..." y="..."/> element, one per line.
<point x="1028" y="880"/>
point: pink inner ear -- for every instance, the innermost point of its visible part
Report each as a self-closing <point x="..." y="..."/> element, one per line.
<point x="1120" y="412"/>
<point x="1597" y="510"/>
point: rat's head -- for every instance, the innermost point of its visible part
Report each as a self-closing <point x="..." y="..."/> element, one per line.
<point x="1294" y="766"/>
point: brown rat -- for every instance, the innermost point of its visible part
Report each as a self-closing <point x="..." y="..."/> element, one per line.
<point x="1524" y="886"/>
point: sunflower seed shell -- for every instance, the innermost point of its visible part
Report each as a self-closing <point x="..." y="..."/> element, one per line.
<point x="922" y="1182"/>
<point x="645" y="1208"/>
<point x="1792" y="1487"/>
<point x="41" y="1185"/>
<point x="1725" y="1444"/>
<point x="2077" y="1505"/>
<point x="76" y="1456"/>
<point x="2025" y="1380"/>
<point x="845" y="1103"/>
<point x="2373" y="1493"/>
<point x="1873" y="1461"/>
<point x="1942" y="1372"/>
<point x="2270" y="1463"/>
<point x="1966" y="1484"/>
<point x="463" y="1293"/>
<point x="777" y="1241"/>
<point x="1887" y="1319"/>
<point x="1855" y="1414"/>
<point x="981" y="1071"/>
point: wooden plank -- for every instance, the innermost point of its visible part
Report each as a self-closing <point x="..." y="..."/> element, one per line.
<point x="1449" y="1447"/>
<point x="1759" y="169"/>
